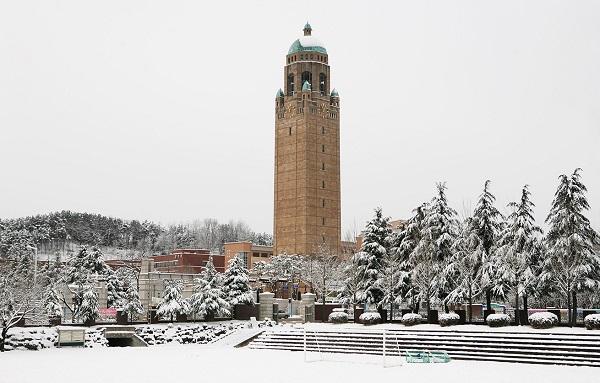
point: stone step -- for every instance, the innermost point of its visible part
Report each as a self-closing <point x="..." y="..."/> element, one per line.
<point x="569" y="349"/>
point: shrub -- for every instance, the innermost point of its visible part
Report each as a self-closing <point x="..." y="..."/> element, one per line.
<point x="592" y="321"/>
<point x="498" y="320"/>
<point x="370" y="318"/>
<point x="449" y="319"/>
<point x="338" y="317"/>
<point x="543" y="320"/>
<point x="411" y="319"/>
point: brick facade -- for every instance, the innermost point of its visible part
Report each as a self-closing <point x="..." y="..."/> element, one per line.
<point x="307" y="203"/>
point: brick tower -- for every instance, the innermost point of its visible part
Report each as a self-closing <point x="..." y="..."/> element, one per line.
<point x="307" y="210"/>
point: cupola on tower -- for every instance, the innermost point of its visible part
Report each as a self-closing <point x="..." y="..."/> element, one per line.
<point x="307" y="211"/>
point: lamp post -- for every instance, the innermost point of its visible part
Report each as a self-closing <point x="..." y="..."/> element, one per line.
<point x="35" y="260"/>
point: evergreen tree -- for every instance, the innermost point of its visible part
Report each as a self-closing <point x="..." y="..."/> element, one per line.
<point x="373" y="250"/>
<point x="172" y="303"/>
<point x="89" y="310"/>
<point x="52" y="304"/>
<point x="487" y="223"/>
<point x="131" y="303"/>
<point x="518" y="251"/>
<point x="115" y="290"/>
<point x="403" y="244"/>
<point x="571" y="264"/>
<point x="236" y="284"/>
<point x="433" y="251"/>
<point x="209" y="298"/>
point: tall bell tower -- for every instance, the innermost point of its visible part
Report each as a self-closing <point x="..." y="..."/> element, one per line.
<point x="307" y="208"/>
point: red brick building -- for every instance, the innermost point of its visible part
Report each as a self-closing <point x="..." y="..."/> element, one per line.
<point x="187" y="261"/>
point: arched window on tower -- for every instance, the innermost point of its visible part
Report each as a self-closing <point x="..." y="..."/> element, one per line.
<point x="322" y="83"/>
<point x="290" y="84"/>
<point x="306" y="76"/>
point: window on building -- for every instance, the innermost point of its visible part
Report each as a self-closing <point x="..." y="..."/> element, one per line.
<point x="243" y="255"/>
<point x="323" y="166"/>
<point x="323" y="221"/>
<point x="290" y="84"/>
<point x="306" y="76"/>
<point x="323" y="148"/>
<point x="323" y="184"/>
<point x="322" y="83"/>
<point x="290" y="131"/>
<point x="264" y="255"/>
<point x="323" y="201"/>
<point x="322" y="130"/>
<point x="255" y="254"/>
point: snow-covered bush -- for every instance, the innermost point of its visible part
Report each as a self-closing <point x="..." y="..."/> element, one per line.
<point x="543" y="320"/>
<point x="498" y="320"/>
<point x="31" y="339"/>
<point x="448" y="319"/>
<point x="369" y="318"/>
<point x="592" y="321"/>
<point x="95" y="338"/>
<point x="338" y="317"/>
<point x="411" y="319"/>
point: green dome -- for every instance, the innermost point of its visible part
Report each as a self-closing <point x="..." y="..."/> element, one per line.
<point x="279" y="94"/>
<point x="307" y="44"/>
<point x="306" y="85"/>
<point x="334" y="93"/>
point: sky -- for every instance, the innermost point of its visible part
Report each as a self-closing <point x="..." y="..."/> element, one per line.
<point x="165" y="111"/>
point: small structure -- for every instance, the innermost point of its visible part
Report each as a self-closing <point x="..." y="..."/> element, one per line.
<point x="71" y="336"/>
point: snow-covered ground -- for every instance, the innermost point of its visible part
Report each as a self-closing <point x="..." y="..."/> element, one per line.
<point x="205" y="362"/>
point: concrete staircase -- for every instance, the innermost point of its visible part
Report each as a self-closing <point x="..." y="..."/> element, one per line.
<point x="518" y="347"/>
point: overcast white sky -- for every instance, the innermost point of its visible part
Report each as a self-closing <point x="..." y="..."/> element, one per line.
<point x="164" y="110"/>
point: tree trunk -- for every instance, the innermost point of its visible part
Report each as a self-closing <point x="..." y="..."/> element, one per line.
<point x="3" y="337"/>
<point x="568" y="306"/>
<point x="525" y="302"/>
<point x="488" y="299"/>
<point x="574" y="315"/>
<point x="517" y="311"/>
<point x="470" y="305"/>
<point x="417" y="305"/>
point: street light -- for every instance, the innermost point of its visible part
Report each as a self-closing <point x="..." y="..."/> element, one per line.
<point x="35" y="259"/>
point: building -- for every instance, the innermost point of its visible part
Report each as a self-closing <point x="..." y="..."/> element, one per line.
<point x="248" y="252"/>
<point x="187" y="261"/>
<point x="307" y="203"/>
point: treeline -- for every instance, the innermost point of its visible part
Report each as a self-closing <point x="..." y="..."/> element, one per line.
<point x="56" y="230"/>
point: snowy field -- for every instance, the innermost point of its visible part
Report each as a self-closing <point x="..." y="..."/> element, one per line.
<point x="223" y="363"/>
<point x="205" y="363"/>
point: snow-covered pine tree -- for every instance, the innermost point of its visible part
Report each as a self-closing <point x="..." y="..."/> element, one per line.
<point x="487" y="223"/>
<point x="89" y="310"/>
<point x="373" y="250"/>
<point x="402" y="245"/>
<point x="433" y="251"/>
<point x="115" y="290"/>
<point x="172" y="302"/>
<point x="131" y="303"/>
<point x="236" y="284"/>
<point x="570" y="262"/>
<point x="209" y="298"/>
<point x="83" y="268"/>
<point x="52" y="304"/>
<point x="518" y="254"/>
